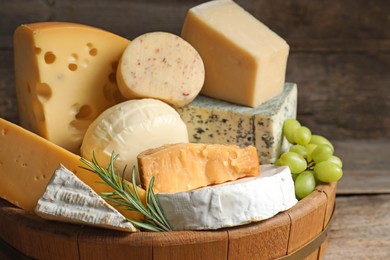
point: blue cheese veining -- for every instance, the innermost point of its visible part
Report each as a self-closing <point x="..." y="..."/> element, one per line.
<point x="210" y="120"/>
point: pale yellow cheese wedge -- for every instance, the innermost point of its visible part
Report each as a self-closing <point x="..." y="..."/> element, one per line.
<point x="187" y="166"/>
<point x="27" y="163"/>
<point x="65" y="77"/>
<point x="245" y="62"/>
<point x="163" y="66"/>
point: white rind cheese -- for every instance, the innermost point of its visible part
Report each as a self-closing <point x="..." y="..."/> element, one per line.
<point x="211" y="120"/>
<point x="68" y="199"/>
<point x="232" y="203"/>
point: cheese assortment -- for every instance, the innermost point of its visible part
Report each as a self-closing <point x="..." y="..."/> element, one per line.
<point x="245" y="61"/>
<point x="131" y="109"/>
<point x="210" y="120"/>
<point x="183" y="167"/>
<point x="232" y="203"/>
<point x="68" y="199"/>
<point x="65" y="77"/>
<point x="161" y="65"/>
<point x="131" y="127"/>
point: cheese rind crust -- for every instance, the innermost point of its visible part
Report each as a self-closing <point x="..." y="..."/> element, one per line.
<point x="233" y="203"/>
<point x="68" y="199"/>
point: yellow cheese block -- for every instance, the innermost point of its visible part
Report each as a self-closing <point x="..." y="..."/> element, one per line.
<point x="187" y="166"/>
<point x="245" y="62"/>
<point x="28" y="161"/>
<point x="65" y="77"/>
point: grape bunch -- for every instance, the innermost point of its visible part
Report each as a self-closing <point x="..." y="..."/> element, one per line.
<point x="310" y="158"/>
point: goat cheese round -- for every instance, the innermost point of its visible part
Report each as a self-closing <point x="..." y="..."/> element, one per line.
<point x="130" y="128"/>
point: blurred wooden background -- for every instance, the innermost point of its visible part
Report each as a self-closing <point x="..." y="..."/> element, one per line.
<point x="340" y="59"/>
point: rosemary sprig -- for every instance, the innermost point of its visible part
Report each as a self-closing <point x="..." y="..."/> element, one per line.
<point x="124" y="196"/>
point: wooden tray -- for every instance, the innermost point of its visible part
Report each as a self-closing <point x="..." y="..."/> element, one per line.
<point x="294" y="234"/>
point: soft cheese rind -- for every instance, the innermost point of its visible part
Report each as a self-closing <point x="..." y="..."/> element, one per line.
<point x="231" y="204"/>
<point x="210" y="120"/>
<point x="68" y="199"/>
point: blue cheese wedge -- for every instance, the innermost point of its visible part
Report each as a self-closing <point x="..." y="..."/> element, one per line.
<point x="211" y="120"/>
<point x="68" y="199"/>
<point x="233" y="203"/>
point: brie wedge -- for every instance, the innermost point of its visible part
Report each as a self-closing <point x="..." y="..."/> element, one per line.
<point x="68" y="199"/>
<point x="230" y="204"/>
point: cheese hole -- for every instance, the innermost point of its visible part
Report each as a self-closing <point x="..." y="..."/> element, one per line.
<point x="72" y="66"/>
<point x="114" y="65"/>
<point x="85" y="112"/>
<point x="37" y="50"/>
<point x="4" y="131"/>
<point x="50" y="57"/>
<point x="112" y="77"/>
<point x="77" y="129"/>
<point x="74" y="57"/>
<point x="44" y="92"/>
<point x="93" y="52"/>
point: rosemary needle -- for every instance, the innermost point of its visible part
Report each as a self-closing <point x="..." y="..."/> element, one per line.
<point x="126" y="196"/>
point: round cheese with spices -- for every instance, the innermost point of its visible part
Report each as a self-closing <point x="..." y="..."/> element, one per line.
<point x="163" y="66"/>
<point x="130" y="128"/>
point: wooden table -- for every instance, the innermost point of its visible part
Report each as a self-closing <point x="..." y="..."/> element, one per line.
<point x="361" y="226"/>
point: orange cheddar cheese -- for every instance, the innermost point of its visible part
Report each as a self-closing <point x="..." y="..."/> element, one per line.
<point x="27" y="163"/>
<point x="187" y="166"/>
<point x="65" y="77"/>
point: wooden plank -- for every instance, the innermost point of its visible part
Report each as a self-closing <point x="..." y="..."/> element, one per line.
<point x="268" y="241"/>
<point x="36" y="237"/>
<point x="343" y="95"/>
<point x="361" y="228"/>
<point x="95" y="243"/>
<point x="350" y="24"/>
<point x="366" y="166"/>
<point x="307" y="219"/>
<point x="191" y="245"/>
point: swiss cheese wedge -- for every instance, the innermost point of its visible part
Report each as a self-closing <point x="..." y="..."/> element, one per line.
<point x="28" y="161"/>
<point x="65" y="77"/>
<point x="187" y="166"/>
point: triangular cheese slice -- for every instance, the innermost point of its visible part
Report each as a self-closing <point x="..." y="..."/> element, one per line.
<point x="68" y="199"/>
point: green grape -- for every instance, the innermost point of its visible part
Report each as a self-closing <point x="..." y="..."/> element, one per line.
<point x="318" y="139"/>
<point x="289" y="128"/>
<point x="294" y="161"/>
<point x="302" y="135"/>
<point x="336" y="160"/>
<point x="309" y="150"/>
<point x="321" y="153"/>
<point x="299" y="149"/>
<point x="327" y="171"/>
<point x="304" y="184"/>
